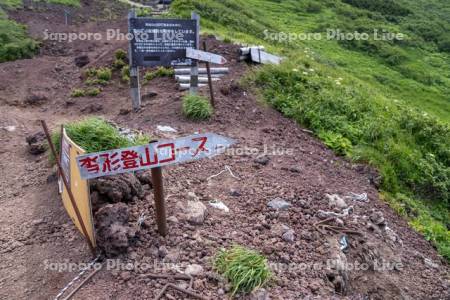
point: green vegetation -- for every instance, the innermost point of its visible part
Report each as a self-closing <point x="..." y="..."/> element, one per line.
<point x="125" y="74"/>
<point x="96" y="134"/>
<point x="144" y="12"/>
<point x="380" y="101"/>
<point x="120" y="59"/>
<point x="75" y="3"/>
<point x="104" y="74"/>
<point x="196" y="107"/>
<point x="14" y="41"/>
<point x="246" y="270"/>
<point x="76" y="93"/>
<point x="100" y="76"/>
<point x="159" y="72"/>
<point x="93" y="92"/>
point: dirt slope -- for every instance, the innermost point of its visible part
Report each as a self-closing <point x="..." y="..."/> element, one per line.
<point x="35" y="229"/>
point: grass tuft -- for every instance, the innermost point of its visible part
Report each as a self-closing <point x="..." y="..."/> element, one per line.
<point x="159" y="72"/>
<point x="104" y="74"/>
<point x="196" y="107"/>
<point x="245" y="269"/>
<point x="76" y="93"/>
<point x="93" y="92"/>
<point x="96" y="134"/>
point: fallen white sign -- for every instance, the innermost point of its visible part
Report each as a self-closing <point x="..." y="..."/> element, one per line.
<point x="262" y="57"/>
<point x="159" y="154"/>
<point x="205" y="56"/>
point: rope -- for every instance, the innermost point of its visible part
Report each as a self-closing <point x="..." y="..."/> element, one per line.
<point x="64" y="289"/>
<point x="227" y="168"/>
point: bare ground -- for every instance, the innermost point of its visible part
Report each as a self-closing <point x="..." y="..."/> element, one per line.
<point x="35" y="229"/>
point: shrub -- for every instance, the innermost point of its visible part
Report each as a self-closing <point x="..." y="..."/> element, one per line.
<point x="246" y="270"/>
<point x="94" y="81"/>
<point x="90" y="72"/>
<point x="143" y="12"/>
<point x="118" y="64"/>
<point x="93" y="92"/>
<point x="386" y="7"/>
<point x="104" y="74"/>
<point x="160" y="72"/>
<point x="120" y="54"/>
<point x="77" y="93"/>
<point x="313" y="7"/>
<point x="444" y="45"/>
<point x="125" y="73"/>
<point x="337" y="142"/>
<point x="14" y="42"/>
<point x="196" y="107"/>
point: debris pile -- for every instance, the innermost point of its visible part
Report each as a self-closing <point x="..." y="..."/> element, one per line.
<point x="114" y="235"/>
<point x="110" y="196"/>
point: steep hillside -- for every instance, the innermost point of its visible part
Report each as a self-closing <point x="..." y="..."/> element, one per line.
<point x="380" y="100"/>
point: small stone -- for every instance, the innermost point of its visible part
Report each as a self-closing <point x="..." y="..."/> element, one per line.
<point x="173" y="256"/>
<point x="428" y="262"/>
<point x="124" y="111"/>
<point x="339" y="222"/>
<point x="279" y="204"/>
<point x="235" y="193"/>
<point x="262" y="160"/>
<point x="133" y="255"/>
<point x="172" y="219"/>
<point x="36" y="143"/>
<point x="162" y="252"/>
<point x="149" y="95"/>
<point x="295" y="169"/>
<point x="81" y="61"/>
<point x="36" y="98"/>
<point x="260" y="294"/>
<point x="194" y="270"/>
<point x="195" y="212"/>
<point x="377" y="218"/>
<point x="303" y="204"/>
<point x="52" y="178"/>
<point x="125" y="276"/>
<point x="192" y="196"/>
<point x="336" y="201"/>
<point x="93" y="108"/>
<point x="38" y="221"/>
<point x="289" y="236"/>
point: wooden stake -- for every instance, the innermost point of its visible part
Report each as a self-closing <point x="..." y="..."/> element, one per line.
<point x="160" y="203"/>
<point x="66" y="184"/>
<point x="208" y="70"/>
<point x="194" y="69"/>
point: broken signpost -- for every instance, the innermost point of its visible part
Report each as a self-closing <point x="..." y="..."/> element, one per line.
<point x="151" y="156"/>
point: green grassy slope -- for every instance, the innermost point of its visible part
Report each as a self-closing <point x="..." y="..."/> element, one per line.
<point x="14" y="41"/>
<point x="386" y="103"/>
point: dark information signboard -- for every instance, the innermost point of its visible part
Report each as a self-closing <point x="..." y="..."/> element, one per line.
<point x="162" y="42"/>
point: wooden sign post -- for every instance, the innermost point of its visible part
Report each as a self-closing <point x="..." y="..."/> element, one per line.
<point x="134" y="69"/>
<point x="194" y="68"/>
